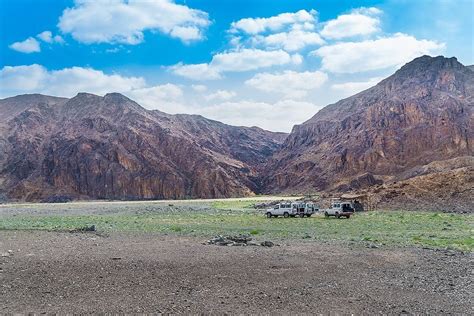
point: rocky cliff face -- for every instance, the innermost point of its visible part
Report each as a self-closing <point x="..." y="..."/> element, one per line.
<point x="111" y="148"/>
<point x="422" y="113"/>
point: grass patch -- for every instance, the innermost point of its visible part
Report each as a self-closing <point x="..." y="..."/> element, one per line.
<point x="438" y="230"/>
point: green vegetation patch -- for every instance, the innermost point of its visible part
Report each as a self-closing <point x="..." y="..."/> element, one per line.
<point x="438" y="230"/>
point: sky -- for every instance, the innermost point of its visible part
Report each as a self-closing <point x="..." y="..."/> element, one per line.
<point x="266" y="63"/>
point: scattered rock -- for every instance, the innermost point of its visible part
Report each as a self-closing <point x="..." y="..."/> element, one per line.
<point x="267" y="243"/>
<point x="374" y="246"/>
<point x="237" y="240"/>
<point x="91" y="228"/>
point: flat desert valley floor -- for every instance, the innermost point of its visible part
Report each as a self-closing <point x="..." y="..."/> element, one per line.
<point x="153" y="257"/>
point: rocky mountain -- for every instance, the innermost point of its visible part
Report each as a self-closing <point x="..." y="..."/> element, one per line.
<point x="421" y="114"/>
<point x="111" y="148"/>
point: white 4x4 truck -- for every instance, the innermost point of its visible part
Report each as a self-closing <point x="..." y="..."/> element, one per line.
<point x="291" y="209"/>
<point x="339" y="209"/>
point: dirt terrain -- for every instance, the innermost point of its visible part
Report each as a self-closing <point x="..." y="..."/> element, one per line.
<point x="51" y="272"/>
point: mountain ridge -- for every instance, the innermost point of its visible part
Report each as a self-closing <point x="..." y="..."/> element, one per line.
<point x="110" y="147"/>
<point x="422" y="113"/>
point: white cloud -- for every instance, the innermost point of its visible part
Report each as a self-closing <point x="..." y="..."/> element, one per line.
<point x="30" y="45"/>
<point x="279" y="116"/>
<point x="363" y="21"/>
<point x="222" y="95"/>
<point x="65" y="82"/>
<point x="274" y="23"/>
<point x="196" y="71"/>
<point x="293" y="40"/>
<point x="120" y="21"/>
<point x="290" y="83"/>
<point x="382" y="53"/>
<point x="235" y="61"/>
<point x="46" y="36"/>
<point x="249" y="59"/>
<point x="21" y="79"/>
<point x="198" y="87"/>
<point x="352" y="87"/>
<point x="58" y="39"/>
<point x="288" y="31"/>
<point x="167" y="98"/>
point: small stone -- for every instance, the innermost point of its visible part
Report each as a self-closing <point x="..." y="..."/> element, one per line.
<point x="267" y="244"/>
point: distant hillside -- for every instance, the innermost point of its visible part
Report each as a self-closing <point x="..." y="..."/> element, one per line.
<point x="111" y="148"/>
<point x="422" y="113"/>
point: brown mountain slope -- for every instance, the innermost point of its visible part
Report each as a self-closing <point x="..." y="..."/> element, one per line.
<point x="110" y="147"/>
<point x="422" y="113"/>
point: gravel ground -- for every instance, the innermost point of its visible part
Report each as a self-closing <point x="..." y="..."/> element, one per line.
<point x="51" y="272"/>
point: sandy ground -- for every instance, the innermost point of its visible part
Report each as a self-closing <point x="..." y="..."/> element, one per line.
<point x="52" y="272"/>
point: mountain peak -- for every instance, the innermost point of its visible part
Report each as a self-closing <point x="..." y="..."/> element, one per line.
<point x="427" y="63"/>
<point x="426" y="72"/>
<point x="116" y="97"/>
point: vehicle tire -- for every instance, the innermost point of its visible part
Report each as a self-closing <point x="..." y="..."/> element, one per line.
<point x="326" y="214"/>
<point x="269" y="215"/>
<point x="286" y="215"/>
<point x="337" y="215"/>
<point x="348" y="216"/>
<point x="308" y="215"/>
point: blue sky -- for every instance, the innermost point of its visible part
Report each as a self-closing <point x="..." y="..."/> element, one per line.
<point x="268" y="63"/>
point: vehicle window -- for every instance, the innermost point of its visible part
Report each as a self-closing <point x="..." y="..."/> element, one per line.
<point x="338" y="205"/>
<point x="277" y="207"/>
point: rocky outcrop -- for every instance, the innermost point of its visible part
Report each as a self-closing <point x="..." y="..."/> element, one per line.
<point x="111" y="148"/>
<point x="422" y="113"/>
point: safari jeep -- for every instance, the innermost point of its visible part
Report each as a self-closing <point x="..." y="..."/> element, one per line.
<point x="339" y="209"/>
<point x="291" y="209"/>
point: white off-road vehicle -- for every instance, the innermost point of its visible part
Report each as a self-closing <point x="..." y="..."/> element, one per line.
<point x="339" y="209"/>
<point x="292" y="209"/>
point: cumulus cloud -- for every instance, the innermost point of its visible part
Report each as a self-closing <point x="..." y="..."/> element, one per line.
<point x="47" y="36"/>
<point x="120" y="21"/>
<point x="196" y="71"/>
<point x="288" y="31"/>
<point x="167" y="98"/>
<point x="363" y="21"/>
<point x="64" y="82"/>
<point x="382" y="53"/>
<point x="291" y="41"/>
<point x="274" y="23"/>
<point x="290" y="83"/>
<point x="30" y="45"/>
<point x="352" y="87"/>
<point x="250" y="59"/>
<point x="222" y="95"/>
<point x="278" y="116"/>
<point x="235" y="61"/>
